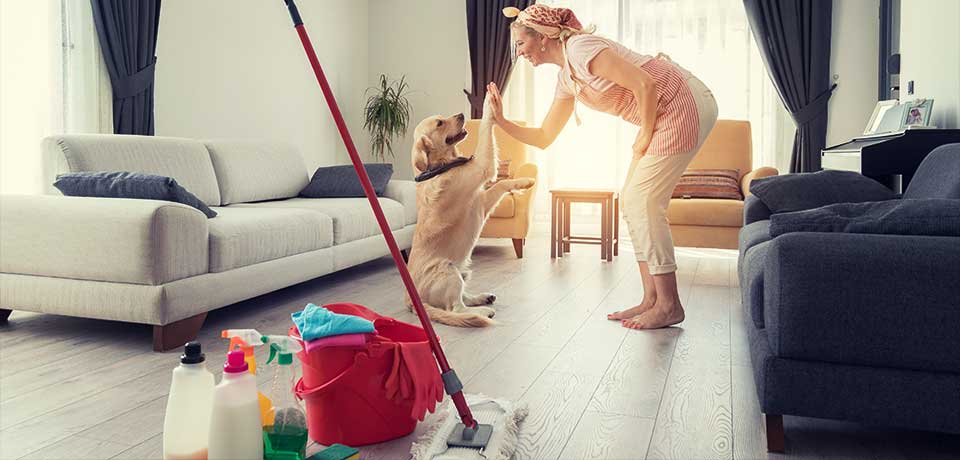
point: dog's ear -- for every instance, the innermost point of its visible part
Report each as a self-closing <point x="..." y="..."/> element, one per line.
<point x="423" y="146"/>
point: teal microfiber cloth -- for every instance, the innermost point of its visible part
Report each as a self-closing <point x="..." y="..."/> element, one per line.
<point x="316" y="322"/>
<point x="336" y="452"/>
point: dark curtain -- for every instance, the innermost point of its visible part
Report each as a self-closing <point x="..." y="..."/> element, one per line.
<point x="127" y="30"/>
<point x="488" y="31"/>
<point x="794" y="40"/>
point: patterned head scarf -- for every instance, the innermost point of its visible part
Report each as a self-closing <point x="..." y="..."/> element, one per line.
<point x="549" y="21"/>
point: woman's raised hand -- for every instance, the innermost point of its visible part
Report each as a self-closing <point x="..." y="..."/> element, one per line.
<point x="495" y="102"/>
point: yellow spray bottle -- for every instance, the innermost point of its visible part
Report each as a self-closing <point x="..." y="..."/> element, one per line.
<point x="245" y="340"/>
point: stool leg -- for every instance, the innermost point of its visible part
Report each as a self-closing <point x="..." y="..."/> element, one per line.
<point x="603" y="229"/>
<point x="610" y="234"/>
<point x="616" y="226"/>
<point x="553" y="226"/>
<point x="560" y="218"/>
<point x="566" y="225"/>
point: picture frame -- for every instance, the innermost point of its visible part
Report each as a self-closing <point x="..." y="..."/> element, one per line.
<point x="879" y="113"/>
<point x="916" y="113"/>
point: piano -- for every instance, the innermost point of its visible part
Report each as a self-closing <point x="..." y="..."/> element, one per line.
<point x="889" y="158"/>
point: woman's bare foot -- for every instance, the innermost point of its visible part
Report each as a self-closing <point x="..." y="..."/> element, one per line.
<point x="645" y="305"/>
<point x="657" y="317"/>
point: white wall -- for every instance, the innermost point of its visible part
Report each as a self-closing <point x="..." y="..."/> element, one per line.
<point x="930" y="56"/>
<point x="425" y="40"/>
<point x="855" y="45"/>
<point x="236" y="68"/>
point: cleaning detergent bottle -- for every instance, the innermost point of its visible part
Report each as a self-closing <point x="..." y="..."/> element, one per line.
<point x="235" y="428"/>
<point x="186" y="423"/>
<point x="245" y="340"/>
<point x="287" y="435"/>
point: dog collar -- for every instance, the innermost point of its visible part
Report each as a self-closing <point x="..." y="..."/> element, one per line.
<point x="431" y="173"/>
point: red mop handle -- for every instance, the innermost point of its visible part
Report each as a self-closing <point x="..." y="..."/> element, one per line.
<point x="457" y="397"/>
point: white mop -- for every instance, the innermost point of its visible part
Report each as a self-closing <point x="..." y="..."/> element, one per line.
<point x="504" y="416"/>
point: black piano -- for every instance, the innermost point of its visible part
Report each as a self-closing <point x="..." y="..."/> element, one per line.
<point x="887" y="157"/>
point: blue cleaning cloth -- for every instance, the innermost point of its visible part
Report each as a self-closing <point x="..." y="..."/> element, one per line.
<point x="317" y="322"/>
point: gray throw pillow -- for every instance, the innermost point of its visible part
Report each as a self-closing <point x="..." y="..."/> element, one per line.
<point x="342" y="181"/>
<point x="796" y="192"/>
<point x="931" y="217"/>
<point x="128" y="185"/>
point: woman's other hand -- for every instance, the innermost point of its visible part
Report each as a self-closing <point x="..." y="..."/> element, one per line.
<point x="640" y="145"/>
<point x="496" y="103"/>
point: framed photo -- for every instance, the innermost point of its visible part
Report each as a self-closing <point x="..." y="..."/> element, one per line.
<point x="873" y="126"/>
<point x="916" y="113"/>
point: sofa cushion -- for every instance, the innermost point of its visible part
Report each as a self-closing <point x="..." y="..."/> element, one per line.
<point x="796" y="192"/>
<point x="185" y="160"/>
<point x="352" y="217"/>
<point x="937" y="176"/>
<point x="928" y="217"/>
<point x="506" y="209"/>
<point x="405" y="193"/>
<point x="243" y="236"/>
<point x="706" y="211"/>
<point x="129" y="185"/>
<point x="343" y="182"/>
<point x="709" y="183"/>
<point x="256" y="170"/>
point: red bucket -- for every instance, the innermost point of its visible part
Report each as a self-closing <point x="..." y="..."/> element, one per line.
<point x="345" y="387"/>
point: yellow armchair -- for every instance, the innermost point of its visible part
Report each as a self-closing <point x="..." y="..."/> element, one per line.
<point x="511" y="218"/>
<point x="709" y="222"/>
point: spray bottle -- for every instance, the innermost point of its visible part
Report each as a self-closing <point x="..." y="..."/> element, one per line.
<point x="287" y="435"/>
<point x="245" y="340"/>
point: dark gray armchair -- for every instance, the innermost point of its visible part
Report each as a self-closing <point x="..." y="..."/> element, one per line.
<point x="857" y="327"/>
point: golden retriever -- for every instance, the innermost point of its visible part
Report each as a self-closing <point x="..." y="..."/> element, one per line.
<point x="452" y="208"/>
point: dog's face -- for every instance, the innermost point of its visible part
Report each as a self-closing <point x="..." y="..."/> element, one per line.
<point x="436" y="141"/>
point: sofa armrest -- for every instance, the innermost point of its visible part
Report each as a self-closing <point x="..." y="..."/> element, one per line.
<point x="102" y="239"/>
<point x="747" y="178"/>
<point x="405" y="192"/>
<point x="754" y="210"/>
<point x="862" y="299"/>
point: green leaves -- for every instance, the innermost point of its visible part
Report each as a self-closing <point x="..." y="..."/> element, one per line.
<point x="386" y="115"/>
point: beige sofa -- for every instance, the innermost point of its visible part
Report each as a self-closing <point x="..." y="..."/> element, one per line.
<point x="166" y="264"/>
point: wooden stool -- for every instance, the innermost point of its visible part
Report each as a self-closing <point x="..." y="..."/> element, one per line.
<point x="560" y="237"/>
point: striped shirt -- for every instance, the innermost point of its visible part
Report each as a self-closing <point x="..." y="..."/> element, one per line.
<point x="677" y="127"/>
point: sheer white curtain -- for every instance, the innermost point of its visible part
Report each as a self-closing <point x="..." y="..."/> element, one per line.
<point x="710" y="38"/>
<point x="51" y="81"/>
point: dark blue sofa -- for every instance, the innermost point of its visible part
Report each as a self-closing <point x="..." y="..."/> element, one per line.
<point x="856" y="327"/>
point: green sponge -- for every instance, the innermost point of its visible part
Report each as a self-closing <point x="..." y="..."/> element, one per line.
<point x="336" y="452"/>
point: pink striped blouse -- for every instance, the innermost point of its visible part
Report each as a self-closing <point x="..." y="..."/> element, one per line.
<point x="678" y="124"/>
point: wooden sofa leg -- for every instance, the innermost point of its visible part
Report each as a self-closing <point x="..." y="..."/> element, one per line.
<point x="406" y="255"/>
<point x="174" y="335"/>
<point x="518" y="247"/>
<point x="775" y="438"/>
<point x="4" y="314"/>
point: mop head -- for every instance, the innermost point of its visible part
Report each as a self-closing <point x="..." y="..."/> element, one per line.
<point x="502" y="415"/>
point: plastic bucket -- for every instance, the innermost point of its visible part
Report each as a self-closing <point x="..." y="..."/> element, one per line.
<point x="345" y="387"/>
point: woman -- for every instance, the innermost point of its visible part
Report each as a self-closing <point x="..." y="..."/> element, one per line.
<point x="673" y="109"/>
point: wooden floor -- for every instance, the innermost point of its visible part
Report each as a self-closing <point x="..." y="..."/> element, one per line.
<point x="81" y="389"/>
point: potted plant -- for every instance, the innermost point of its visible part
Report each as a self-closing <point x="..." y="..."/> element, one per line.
<point x="386" y="115"/>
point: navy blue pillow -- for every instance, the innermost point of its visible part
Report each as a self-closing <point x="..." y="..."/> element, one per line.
<point x="342" y="181"/>
<point x="128" y="185"/>
<point x="796" y="192"/>
<point x="930" y="217"/>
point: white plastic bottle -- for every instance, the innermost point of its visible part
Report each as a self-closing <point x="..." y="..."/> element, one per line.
<point x="235" y="426"/>
<point x="186" y="423"/>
